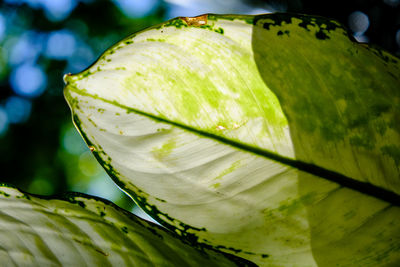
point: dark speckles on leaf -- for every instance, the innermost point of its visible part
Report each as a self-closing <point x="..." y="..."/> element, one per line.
<point x="276" y="20"/>
<point x="161" y="200"/>
<point x="379" y="108"/>
<point x="381" y="55"/>
<point x="102" y="252"/>
<point x="321" y="35"/>
<point x="74" y="201"/>
<point x="4" y="194"/>
<point x="361" y="141"/>
<point x="124" y="229"/>
<point x="385" y="56"/>
<point x="357" y="121"/>
<point x="264" y="256"/>
<point x="280" y="33"/>
<point x="219" y="30"/>
<point x="323" y="25"/>
<point x="26" y="196"/>
<point x="229" y="248"/>
<point x="304" y="25"/>
<point x="91" y="245"/>
<point x="249" y="253"/>
<point x="177" y="23"/>
<point x="392" y="151"/>
<point x="86" y="73"/>
<point x="155" y="40"/>
<point x="208" y="27"/>
<point x="150" y="209"/>
<point x="80" y="203"/>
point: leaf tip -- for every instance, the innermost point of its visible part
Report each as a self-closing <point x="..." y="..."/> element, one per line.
<point x="65" y="78"/>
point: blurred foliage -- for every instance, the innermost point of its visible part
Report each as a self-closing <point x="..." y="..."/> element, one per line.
<point x="41" y="40"/>
<point x="45" y="154"/>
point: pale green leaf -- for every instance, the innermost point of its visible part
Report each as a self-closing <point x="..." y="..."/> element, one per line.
<point x="273" y="137"/>
<point x="80" y="230"/>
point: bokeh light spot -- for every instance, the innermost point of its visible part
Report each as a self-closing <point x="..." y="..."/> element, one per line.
<point x="392" y="3"/>
<point x="13" y="1"/>
<point x="41" y="186"/>
<point x="60" y="44"/>
<point x="55" y="10"/>
<point x="18" y="109"/>
<point x="60" y="9"/>
<point x="72" y="142"/>
<point x="82" y="58"/>
<point x="88" y="165"/>
<point x="361" y="38"/>
<point x="28" y="80"/>
<point x="257" y="11"/>
<point x="192" y="8"/>
<point x="358" y="22"/>
<point x="137" y="8"/>
<point x="2" y="26"/>
<point x="3" y="121"/>
<point x="27" y="48"/>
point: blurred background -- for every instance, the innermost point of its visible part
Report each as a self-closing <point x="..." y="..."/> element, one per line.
<point x="40" y="40"/>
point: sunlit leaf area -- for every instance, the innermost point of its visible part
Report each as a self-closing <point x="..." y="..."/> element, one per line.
<point x="40" y="40"/>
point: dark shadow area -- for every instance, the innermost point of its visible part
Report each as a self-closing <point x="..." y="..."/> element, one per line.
<point x="341" y="100"/>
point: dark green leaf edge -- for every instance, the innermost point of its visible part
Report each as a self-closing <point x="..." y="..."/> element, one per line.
<point x="71" y="198"/>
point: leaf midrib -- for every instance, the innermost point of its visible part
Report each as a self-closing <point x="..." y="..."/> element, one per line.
<point x="336" y="177"/>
